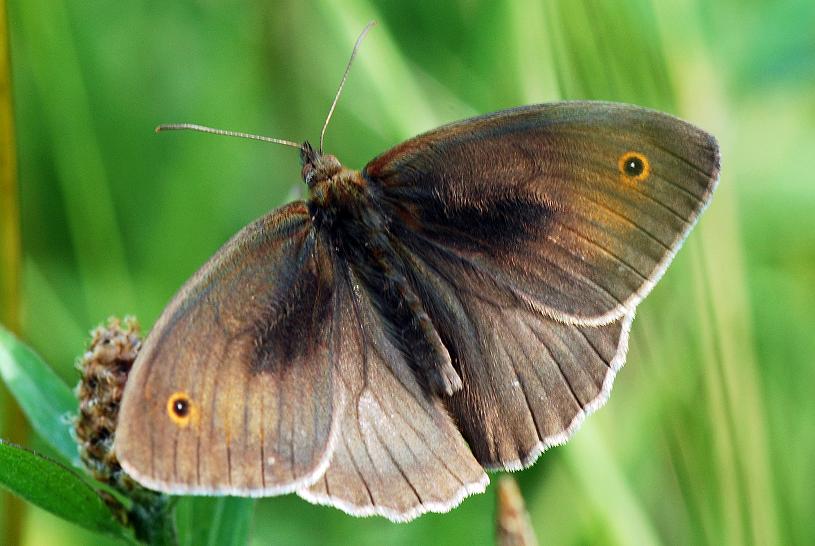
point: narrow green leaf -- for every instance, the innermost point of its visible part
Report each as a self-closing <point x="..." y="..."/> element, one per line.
<point x="54" y="488"/>
<point x="210" y="521"/>
<point x="44" y="398"/>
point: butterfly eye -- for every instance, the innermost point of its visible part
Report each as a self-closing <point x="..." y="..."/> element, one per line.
<point x="634" y="165"/>
<point x="308" y="173"/>
<point x="180" y="409"/>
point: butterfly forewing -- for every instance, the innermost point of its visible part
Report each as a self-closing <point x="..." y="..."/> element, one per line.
<point x="232" y="391"/>
<point x="577" y="208"/>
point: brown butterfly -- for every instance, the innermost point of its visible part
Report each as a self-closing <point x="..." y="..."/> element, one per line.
<point x="459" y="304"/>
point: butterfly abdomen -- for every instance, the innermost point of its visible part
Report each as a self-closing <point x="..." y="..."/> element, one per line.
<point x="360" y="233"/>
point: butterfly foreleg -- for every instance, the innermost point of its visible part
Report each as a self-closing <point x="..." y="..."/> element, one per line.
<point x="442" y="375"/>
<point x="361" y="235"/>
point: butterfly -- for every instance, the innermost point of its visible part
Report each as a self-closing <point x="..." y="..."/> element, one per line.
<point x="461" y="303"/>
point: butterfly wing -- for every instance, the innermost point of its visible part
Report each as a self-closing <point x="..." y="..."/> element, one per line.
<point x="232" y="391"/>
<point x="528" y="380"/>
<point x="399" y="454"/>
<point x="576" y="208"/>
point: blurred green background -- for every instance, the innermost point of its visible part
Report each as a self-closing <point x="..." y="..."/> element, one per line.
<point x="710" y="433"/>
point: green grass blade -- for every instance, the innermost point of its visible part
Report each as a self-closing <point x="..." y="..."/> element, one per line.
<point x="57" y="334"/>
<point x="44" y="398"/>
<point x="57" y="75"/>
<point x="12" y="425"/>
<point x="54" y="488"/>
<point x="214" y="521"/>
<point x="382" y="67"/>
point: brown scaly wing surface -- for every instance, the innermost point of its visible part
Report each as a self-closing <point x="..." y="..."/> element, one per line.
<point x="399" y="454"/>
<point x="244" y="350"/>
<point x="528" y="380"/>
<point x="544" y="203"/>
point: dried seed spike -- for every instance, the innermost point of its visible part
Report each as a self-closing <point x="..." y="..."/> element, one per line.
<point x="513" y="527"/>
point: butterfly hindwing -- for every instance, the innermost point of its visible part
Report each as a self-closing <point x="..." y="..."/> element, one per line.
<point x="399" y="454"/>
<point x="528" y="380"/>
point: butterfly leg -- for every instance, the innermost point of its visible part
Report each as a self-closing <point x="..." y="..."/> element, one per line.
<point x="443" y="376"/>
<point x="366" y="244"/>
<point x="382" y="272"/>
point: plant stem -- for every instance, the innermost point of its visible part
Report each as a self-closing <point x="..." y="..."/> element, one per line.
<point x="13" y="424"/>
<point x="9" y="198"/>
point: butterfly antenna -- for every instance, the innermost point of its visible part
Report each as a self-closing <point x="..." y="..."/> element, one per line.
<point x="202" y="129"/>
<point x="342" y="82"/>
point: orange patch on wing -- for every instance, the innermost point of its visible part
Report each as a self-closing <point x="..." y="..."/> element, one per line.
<point x="634" y="166"/>
<point x="181" y="409"/>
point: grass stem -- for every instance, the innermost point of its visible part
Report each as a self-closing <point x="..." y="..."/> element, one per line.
<point x="12" y="424"/>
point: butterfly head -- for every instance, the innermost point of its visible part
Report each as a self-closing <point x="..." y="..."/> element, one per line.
<point x="317" y="167"/>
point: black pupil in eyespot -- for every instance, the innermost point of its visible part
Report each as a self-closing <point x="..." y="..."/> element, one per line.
<point x="181" y="407"/>
<point x="633" y="166"/>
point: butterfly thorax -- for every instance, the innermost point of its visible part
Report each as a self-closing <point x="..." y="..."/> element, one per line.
<point x="346" y="209"/>
<point x="337" y="195"/>
<point x="340" y="200"/>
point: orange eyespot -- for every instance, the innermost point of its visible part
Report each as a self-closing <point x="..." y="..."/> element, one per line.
<point x="181" y="409"/>
<point x="634" y="166"/>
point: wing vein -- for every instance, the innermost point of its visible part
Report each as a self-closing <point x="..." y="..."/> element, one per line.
<point x="398" y="466"/>
<point x="430" y="447"/>
<point x="506" y="284"/>
<point x="557" y="363"/>
<point x="538" y="432"/>
<point x="624" y="218"/>
<point x="601" y="247"/>
<point x="356" y="466"/>
<point x="590" y="344"/>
